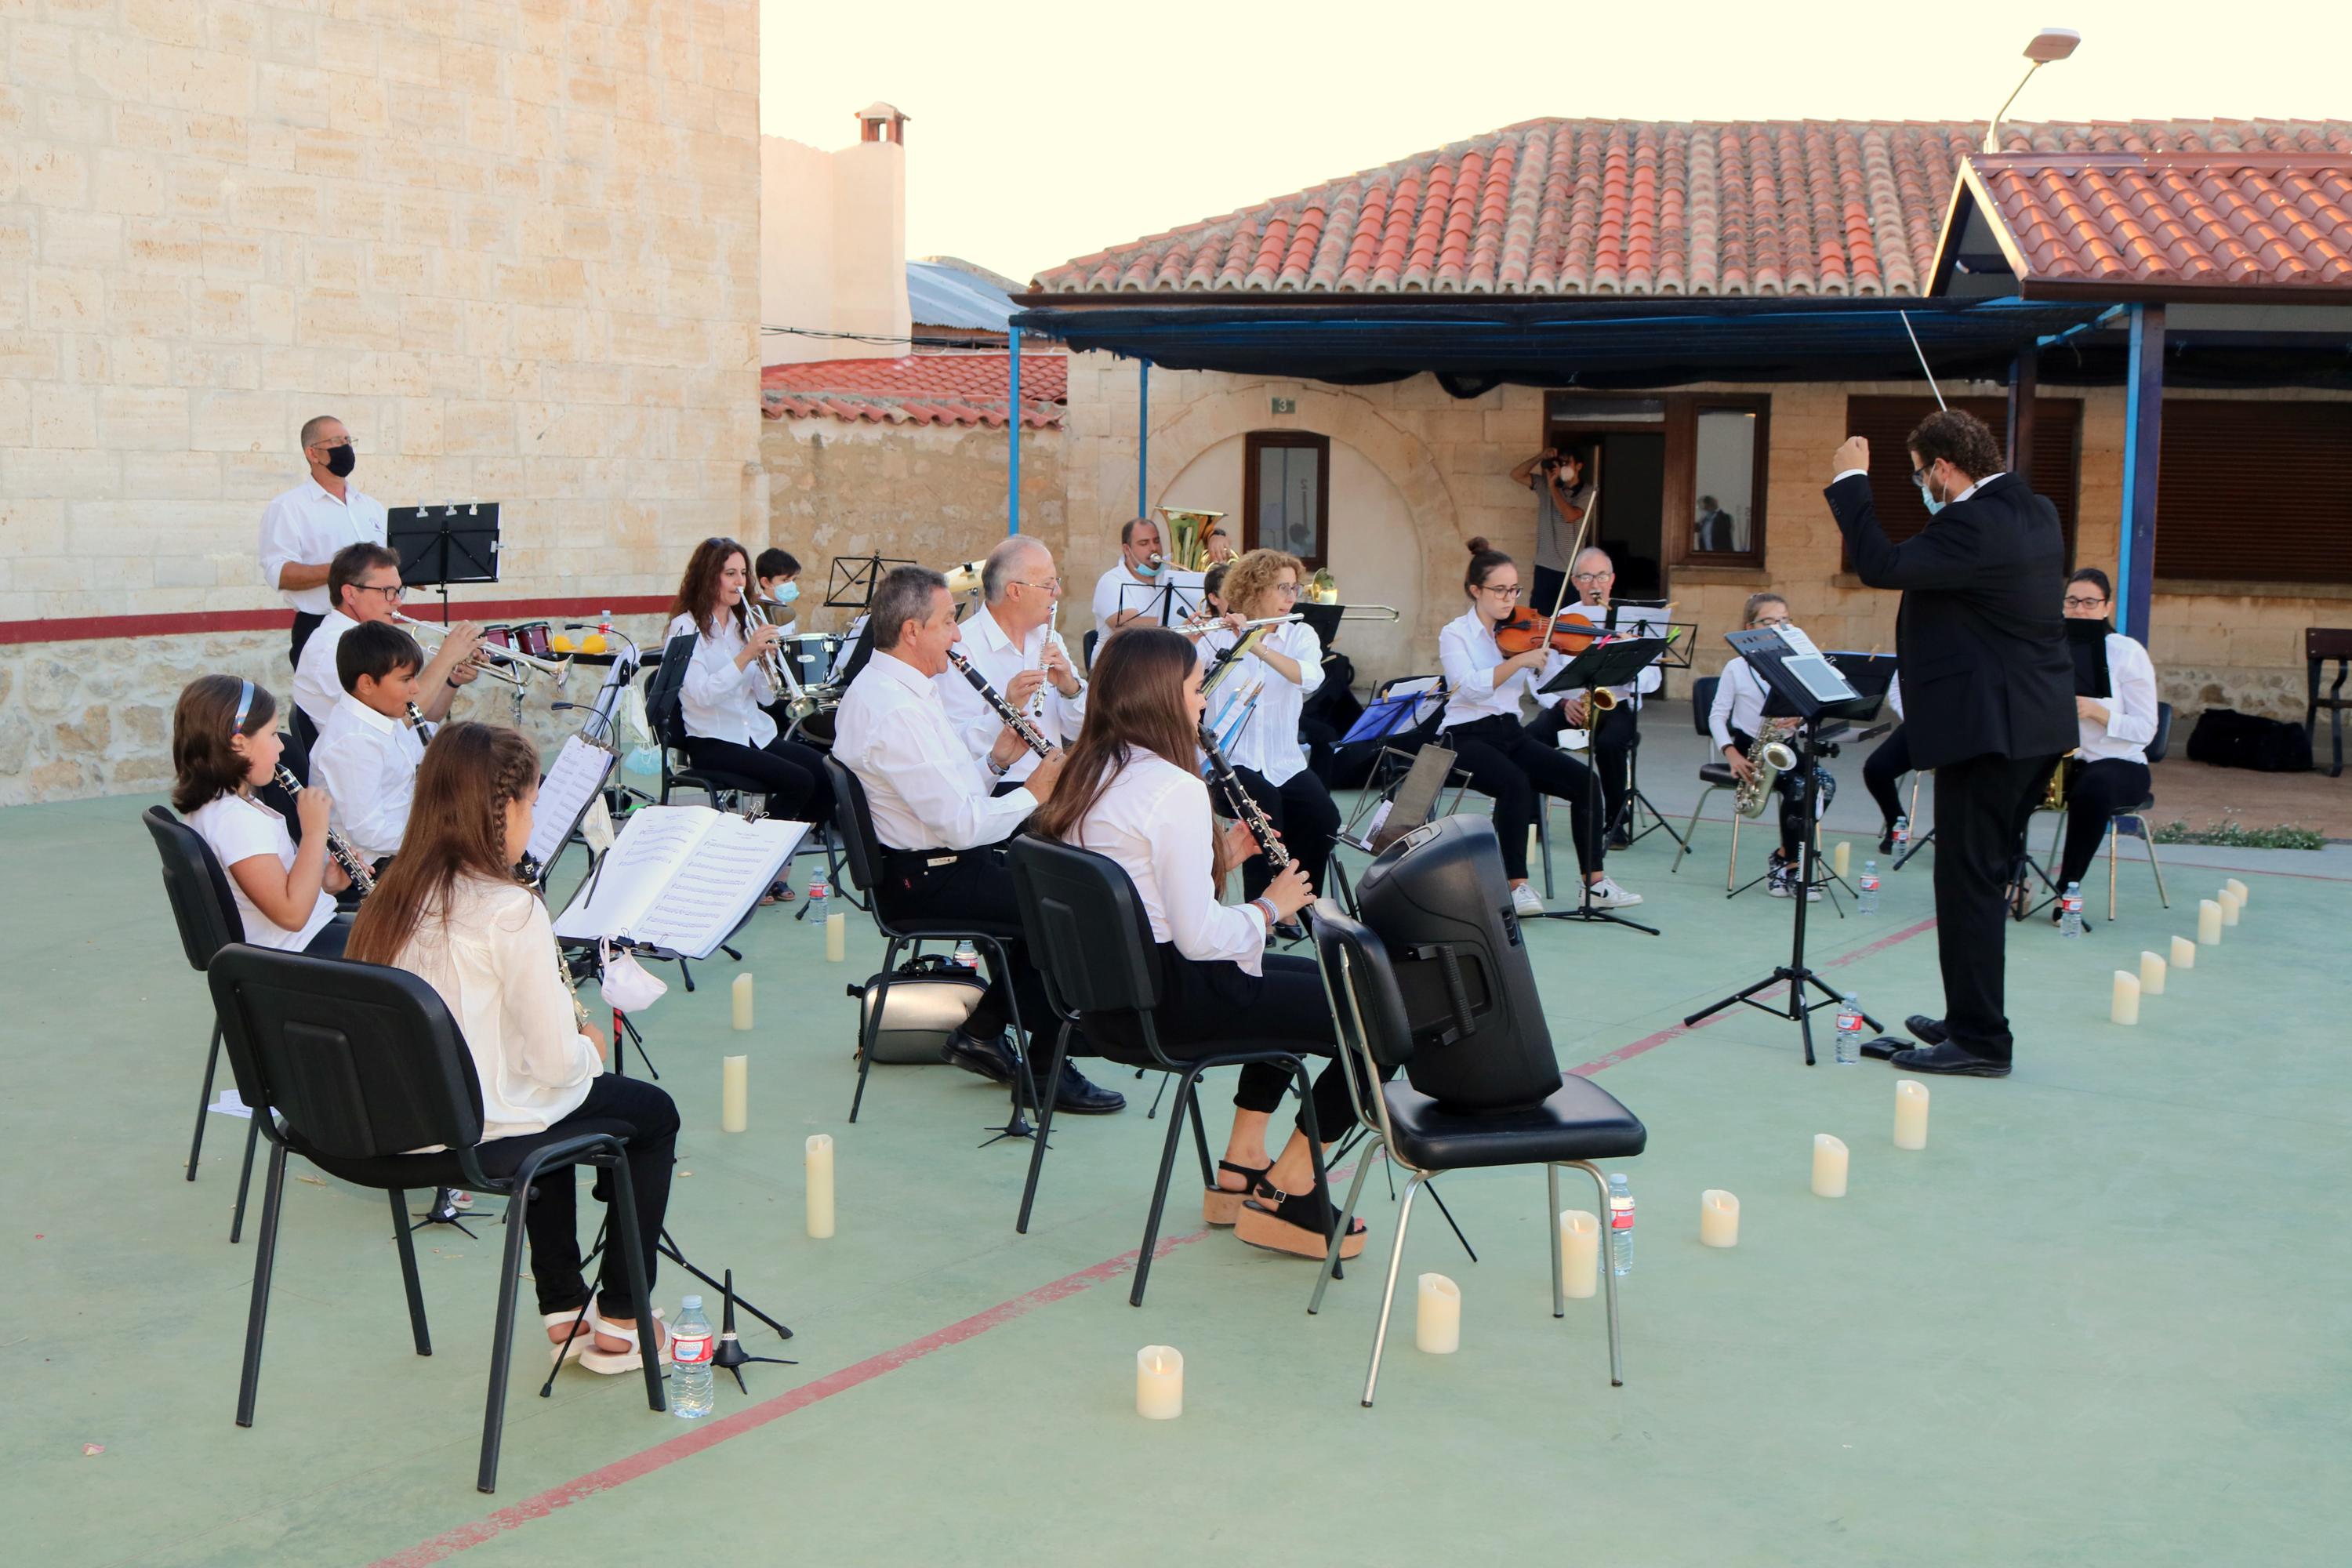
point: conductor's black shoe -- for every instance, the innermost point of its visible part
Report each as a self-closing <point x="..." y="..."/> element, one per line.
<point x="1929" y="1031"/>
<point x="1949" y="1059"/>
<point x="1077" y="1095"/>
<point x="989" y="1058"/>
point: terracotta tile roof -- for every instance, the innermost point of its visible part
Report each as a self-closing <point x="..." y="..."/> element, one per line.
<point x="2179" y="225"/>
<point x="967" y="389"/>
<point x="1606" y="206"/>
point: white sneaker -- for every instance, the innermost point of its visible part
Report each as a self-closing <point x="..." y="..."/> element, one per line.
<point x="1608" y="895"/>
<point x="1523" y="901"/>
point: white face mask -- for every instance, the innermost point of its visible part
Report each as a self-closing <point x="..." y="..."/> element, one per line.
<point x="788" y="593"/>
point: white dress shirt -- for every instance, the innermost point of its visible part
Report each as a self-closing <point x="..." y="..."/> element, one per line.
<point x="306" y="526"/>
<point x="240" y="827"/>
<point x="1268" y="745"/>
<point x="1153" y="817"/>
<point x="366" y="762"/>
<point x="1738" y="704"/>
<point x="717" y="701"/>
<point x="492" y="957"/>
<point x="318" y="687"/>
<point x="1467" y="652"/>
<point x="924" y="788"/>
<point x="1119" y="591"/>
<point x="990" y="650"/>
<point x="2130" y="703"/>
<point x="1895" y="692"/>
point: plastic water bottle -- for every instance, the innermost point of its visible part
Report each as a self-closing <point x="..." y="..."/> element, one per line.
<point x="605" y="622"/>
<point x="1621" y="1225"/>
<point x="2070" y="923"/>
<point x="1865" y="899"/>
<point x="818" y="896"/>
<point x="690" y="1377"/>
<point x="1849" y="1028"/>
<point x="967" y="956"/>
<point x="1900" y="833"/>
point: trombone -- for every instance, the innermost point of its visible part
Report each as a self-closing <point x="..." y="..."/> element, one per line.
<point x="517" y="676"/>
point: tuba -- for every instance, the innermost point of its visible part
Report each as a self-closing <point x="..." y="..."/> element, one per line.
<point x="1186" y="532"/>
<point x="1768" y="758"/>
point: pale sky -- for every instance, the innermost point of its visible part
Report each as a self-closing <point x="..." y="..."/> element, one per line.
<point x="1039" y="134"/>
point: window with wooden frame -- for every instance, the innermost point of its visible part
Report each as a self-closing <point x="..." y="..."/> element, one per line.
<point x="2253" y="491"/>
<point x="1887" y="422"/>
<point x="1287" y="494"/>
<point x="1708" y="494"/>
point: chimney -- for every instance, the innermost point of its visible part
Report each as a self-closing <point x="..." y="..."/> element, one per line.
<point x="879" y="121"/>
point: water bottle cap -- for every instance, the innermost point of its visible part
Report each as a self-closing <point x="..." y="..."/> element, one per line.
<point x="691" y="1304"/>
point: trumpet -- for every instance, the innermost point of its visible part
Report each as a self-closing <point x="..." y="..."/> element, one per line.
<point x="509" y="665"/>
<point x="1219" y="626"/>
<point x="779" y="666"/>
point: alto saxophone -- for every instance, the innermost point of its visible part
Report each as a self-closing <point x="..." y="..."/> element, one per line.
<point x="1768" y="758"/>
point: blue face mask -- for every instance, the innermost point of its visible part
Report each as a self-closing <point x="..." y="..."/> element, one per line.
<point x="1927" y="499"/>
<point x="1150" y="569"/>
<point x="788" y="593"/>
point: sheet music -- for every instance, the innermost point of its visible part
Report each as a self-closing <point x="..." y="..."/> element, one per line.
<point x="1799" y="645"/>
<point x="654" y="843"/>
<point x="577" y="778"/>
<point x="1187" y="591"/>
<point x="733" y="867"/>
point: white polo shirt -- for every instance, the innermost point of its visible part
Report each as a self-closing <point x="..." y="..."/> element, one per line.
<point x="1119" y="591"/>
<point x="990" y="650"/>
<point x="367" y="761"/>
<point x="306" y="526"/>
<point x="317" y="686"/>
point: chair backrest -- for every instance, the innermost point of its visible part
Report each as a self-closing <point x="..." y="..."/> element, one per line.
<point x="853" y="821"/>
<point x="202" y="903"/>
<point x="1702" y="701"/>
<point x="1087" y="927"/>
<point x="663" y="709"/>
<point x="295" y="756"/>
<point x="1087" y="647"/>
<point x="2161" y="742"/>
<point x="362" y="1060"/>
<point x="1365" y="1001"/>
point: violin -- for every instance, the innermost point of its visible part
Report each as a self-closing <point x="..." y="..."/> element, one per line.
<point x="1523" y="631"/>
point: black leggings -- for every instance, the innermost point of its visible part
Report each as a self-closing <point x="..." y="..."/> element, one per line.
<point x="1303" y="812"/>
<point x="1883" y="773"/>
<point x="1504" y="761"/>
<point x="641" y="1112"/>
<point x="791" y="775"/>
<point x="2096" y="791"/>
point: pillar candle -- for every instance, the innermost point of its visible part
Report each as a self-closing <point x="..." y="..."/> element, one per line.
<point x="1718" y="1218"/>
<point x="2229" y="902"/>
<point x="820" y="1185"/>
<point x="2184" y="954"/>
<point x="1159" y="1383"/>
<point x="2151" y="974"/>
<point x="1579" y="1252"/>
<point x="1910" y="1114"/>
<point x="2208" y="923"/>
<point x="1438" y="1329"/>
<point x="734" y="1092"/>
<point x="742" y="996"/>
<point x="2124" y="1008"/>
<point x="837" y="937"/>
<point x="1535" y="846"/>
<point x="1829" y="1166"/>
<point x="2240" y="889"/>
<point x="1842" y="857"/>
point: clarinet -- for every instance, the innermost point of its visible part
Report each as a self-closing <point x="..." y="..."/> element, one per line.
<point x="417" y="722"/>
<point x="1014" y="720"/>
<point x="345" y="856"/>
<point x="1240" y="806"/>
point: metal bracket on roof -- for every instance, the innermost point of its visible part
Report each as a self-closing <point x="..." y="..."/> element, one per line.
<point x="2093" y="325"/>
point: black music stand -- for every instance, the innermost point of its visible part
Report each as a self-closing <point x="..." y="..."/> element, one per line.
<point x="1804" y="685"/>
<point x="1156" y="600"/>
<point x="855" y="578"/>
<point x="1601" y="664"/>
<point x="443" y="545"/>
<point x="1679" y="636"/>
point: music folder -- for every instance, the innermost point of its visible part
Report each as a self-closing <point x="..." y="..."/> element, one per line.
<point x="679" y="879"/>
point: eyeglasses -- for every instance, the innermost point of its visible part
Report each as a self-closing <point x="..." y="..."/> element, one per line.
<point x="1769" y="623"/>
<point x="1590" y="576"/>
<point x="331" y="446"/>
<point x="1513" y="591"/>
<point x="2076" y="602"/>
<point x="1051" y="585"/>
<point x="391" y="593"/>
<point x="1287" y="590"/>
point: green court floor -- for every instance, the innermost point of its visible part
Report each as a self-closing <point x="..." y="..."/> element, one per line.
<point x="2102" y="1319"/>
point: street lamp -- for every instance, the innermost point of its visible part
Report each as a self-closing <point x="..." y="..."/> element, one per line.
<point x="2048" y="45"/>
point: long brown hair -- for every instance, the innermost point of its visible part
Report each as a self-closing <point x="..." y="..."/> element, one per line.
<point x="456" y="826"/>
<point x="1135" y="701"/>
<point x="205" y="766"/>
<point x="698" y="590"/>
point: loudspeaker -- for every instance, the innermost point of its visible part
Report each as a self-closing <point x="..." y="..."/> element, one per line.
<point x="1438" y="900"/>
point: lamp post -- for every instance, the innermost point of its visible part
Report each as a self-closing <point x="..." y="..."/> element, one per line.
<point x="2048" y="45"/>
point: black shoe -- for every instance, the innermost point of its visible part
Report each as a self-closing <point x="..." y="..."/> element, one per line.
<point x="1949" y="1059"/>
<point x="988" y="1059"/>
<point x="1619" y="838"/>
<point x="1929" y="1031"/>
<point x="1077" y="1095"/>
<point x="1289" y="930"/>
<point x="1886" y="842"/>
<point x="1886" y="1047"/>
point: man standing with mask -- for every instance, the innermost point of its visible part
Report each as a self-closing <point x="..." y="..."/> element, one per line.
<point x="1988" y="696"/>
<point x="1127" y="592"/>
<point x="305" y="527"/>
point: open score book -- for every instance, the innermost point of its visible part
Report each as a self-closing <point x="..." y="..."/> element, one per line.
<point x="680" y="877"/>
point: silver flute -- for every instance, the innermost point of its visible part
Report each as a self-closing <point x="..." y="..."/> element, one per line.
<point x="1240" y="806"/>
<point x="344" y="855"/>
<point x="1014" y="720"/>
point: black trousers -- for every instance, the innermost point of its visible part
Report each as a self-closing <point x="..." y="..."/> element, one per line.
<point x="1614" y="737"/>
<point x="305" y="623"/>
<point x="329" y="942"/>
<point x="1508" y="760"/>
<point x="1883" y="773"/>
<point x="1303" y="812"/>
<point x="644" y="1114"/>
<point x="975" y="890"/>
<point x="2097" y="791"/>
<point x="792" y="775"/>
<point x="1977" y="806"/>
<point x="1791" y="787"/>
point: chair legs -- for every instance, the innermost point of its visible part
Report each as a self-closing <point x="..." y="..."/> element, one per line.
<point x="1045" y="1127"/>
<point x="2145" y="838"/>
<point x="1607" y="1273"/>
<point x="1559" y="1286"/>
<point x="408" y="1280"/>
<point x="1176" y="1118"/>
<point x="870" y="1026"/>
<point x="245" y="1178"/>
<point x="1682" y="845"/>
<point x="1388" y="1292"/>
<point x="257" y="1316"/>
<point x="1186" y="1110"/>
<point x="204" y="1102"/>
<point x="1375" y="1151"/>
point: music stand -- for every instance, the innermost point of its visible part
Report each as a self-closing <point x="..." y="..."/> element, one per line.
<point x="1680" y="636"/>
<point x="443" y="545"/>
<point x="855" y="578"/>
<point x="1156" y="600"/>
<point x="1798" y="682"/>
<point x="1617" y="663"/>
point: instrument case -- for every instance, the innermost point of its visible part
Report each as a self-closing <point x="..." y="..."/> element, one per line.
<point x="928" y="999"/>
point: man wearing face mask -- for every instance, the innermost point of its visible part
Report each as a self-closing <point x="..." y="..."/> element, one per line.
<point x="1126" y="592"/>
<point x="302" y="529"/>
<point x="1989" y="696"/>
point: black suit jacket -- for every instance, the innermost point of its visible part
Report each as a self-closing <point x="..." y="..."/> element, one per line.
<point x="1980" y="637"/>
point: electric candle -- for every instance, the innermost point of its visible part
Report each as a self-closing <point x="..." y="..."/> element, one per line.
<point x="837" y="937"/>
<point x="2184" y="954"/>
<point x="2124" y="1008"/>
<point x="742" y="1000"/>
<point x="1842" y="857"/>
<point x="1579" y="1252"/>
<point x="819" y="1160"/>
<point x="1829" y="1166"/>
<point x="1718" y="1218"/>
<point x="2240" y="889"/>
<point x="2151" y="974"/>
<point x="2229" y="902"/>
<point x="1438" y="1329"/>
<point x="734" y="1093"/>
<point x="2208" y="923"/>
<point x="1910" y="1114"/>
<point x="1159" y="1383"/>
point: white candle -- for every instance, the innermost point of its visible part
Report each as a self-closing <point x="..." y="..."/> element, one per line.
<point x="820" y="1185"/>
<point x="2208" y="923"/>
<point x="734" y="1092"/>
<point x="1438" y="1329"/>
<point x="1718" y="1218"/>
<point x="743" y="997"/>
<point x="2124" y="1008"/>
<point x="1534" y="845"/>
<point x="1829" y="1166"/>
<point x="2184" y="954"/>
<point x="1159" y="1383"/>
<point x="837" y="937"/>
<point x="1910" y="1114"/>
<point x="2151" y="974"/>
<point x="1579" y="1252"/>
<point x="2240" y="889"/>
<point x="2229" y="902"/>
<point x="1842" y="857"/>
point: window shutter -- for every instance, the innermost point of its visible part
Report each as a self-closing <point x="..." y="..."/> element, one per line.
<point x="1887" y="422"/>
<point x="2254" y="491"/>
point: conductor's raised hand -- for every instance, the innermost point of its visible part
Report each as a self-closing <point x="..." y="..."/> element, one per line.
<point x="1853" y="452"/>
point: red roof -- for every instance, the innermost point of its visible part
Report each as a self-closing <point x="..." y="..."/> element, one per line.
<point x="918" y="389"/>
<point x="1608" y="206"/>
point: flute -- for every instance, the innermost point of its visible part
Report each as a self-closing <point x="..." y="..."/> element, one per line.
<point x="1218" y="625"/>
<point x="345" y="856"/>
<point x="1014" y="720"/>
<point x="1240" y="806"/>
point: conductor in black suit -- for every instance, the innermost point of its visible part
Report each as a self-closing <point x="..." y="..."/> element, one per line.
<point x="1989" y="696"/>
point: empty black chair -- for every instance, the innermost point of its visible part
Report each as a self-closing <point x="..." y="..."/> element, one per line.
<point x="1581" y="1123"/>
<point x="1714" y="775"/>
<point x="1080" y="914"/>
<point x="205" y="912"/>
<point x="364" y="1062"/>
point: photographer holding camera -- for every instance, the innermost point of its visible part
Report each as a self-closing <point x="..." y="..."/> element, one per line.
<point x="1562" y="494"/>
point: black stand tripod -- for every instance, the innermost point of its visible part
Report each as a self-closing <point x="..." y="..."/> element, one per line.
<point x="1637" y="803"/>
<point x="724" y="1356"/>
<point x="1603" y="664"/>
<point x="731" y="1356"/>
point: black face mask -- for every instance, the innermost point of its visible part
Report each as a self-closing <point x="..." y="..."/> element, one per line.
<point x="341" y="460"/>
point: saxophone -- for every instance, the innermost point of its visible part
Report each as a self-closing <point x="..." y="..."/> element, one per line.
<point x="1768" y="758"/>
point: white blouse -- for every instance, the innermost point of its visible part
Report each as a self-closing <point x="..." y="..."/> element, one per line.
<point x="240" y="827"/>
<point x="2130" y="704"/>
<point x="1739" y="703"/>
<point x="493" y="960"/>
<point x="1268" y="744"/>
<point x="717" y="701"/>
<point x="1467" y="652"/>
<point x="1153" y="817"/>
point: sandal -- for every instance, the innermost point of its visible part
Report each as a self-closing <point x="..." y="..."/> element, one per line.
<point x="583" y="1334"/>
<point x="779" y="893"/>
<point x="1298" y="1224"/>
<point x="1222" y="1205"/>
<point x="614" y="1363"/>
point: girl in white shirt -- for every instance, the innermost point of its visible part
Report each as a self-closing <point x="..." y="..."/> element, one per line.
<point x="1736" y="719"/>
<point x="225" y="743"/>
<point x="1503" y="758"/>
<point x="1285" y="666"/>
<point x="1130" y="793"/>
<point x="723" y="700"/>
<point x="450" y="911"/>
<point x="2110" y="769"/>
